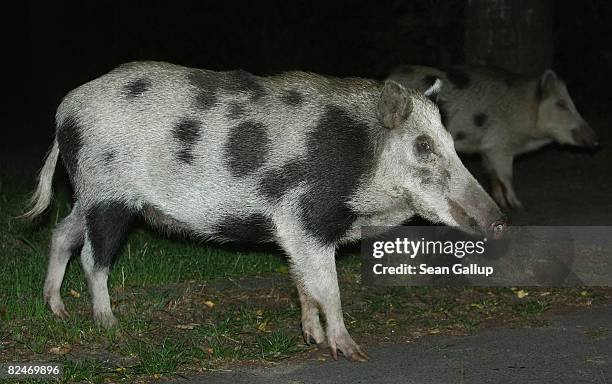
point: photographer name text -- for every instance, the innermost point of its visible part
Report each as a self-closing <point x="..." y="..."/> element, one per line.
<point x="424" y="269"/>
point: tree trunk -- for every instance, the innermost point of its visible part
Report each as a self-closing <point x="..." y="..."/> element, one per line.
<point x="516" y="35"/>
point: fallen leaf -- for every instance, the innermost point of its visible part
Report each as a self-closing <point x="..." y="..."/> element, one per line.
<point x="209" y="304"/>
<point x="120" y="369"/>
<point x="262" y="327"/>
<point x="521" y="294"/>
<point x="187" y="326"/>
<point x="584" y="293"/>
<point x="59" y="350"/>
<point x="74" y="293"/>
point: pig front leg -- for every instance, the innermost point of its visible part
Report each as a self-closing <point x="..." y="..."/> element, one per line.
<point x="315" y="270"/>
<point x="499" y="166"/>
<point x="313" y="267"/>
<point x="311" y="323"/>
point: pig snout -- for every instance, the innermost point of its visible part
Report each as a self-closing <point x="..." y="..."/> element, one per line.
<point x="585" y="136"/>
<point x="475" y="217"/>
<point x="475" y="211"/>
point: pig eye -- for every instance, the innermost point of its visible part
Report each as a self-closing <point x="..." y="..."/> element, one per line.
<point x="561" y="104"/>
<point x="423" y="145"/>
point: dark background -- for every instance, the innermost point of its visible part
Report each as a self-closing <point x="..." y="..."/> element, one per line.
<point x="65" y="44"/>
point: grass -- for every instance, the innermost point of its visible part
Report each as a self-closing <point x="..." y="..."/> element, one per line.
<point x="185" y="307"/>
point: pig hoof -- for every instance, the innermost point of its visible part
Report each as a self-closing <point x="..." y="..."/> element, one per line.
<point x="359" y="356"/>
<point x="57" y="307"/>
<point x="105" y="320"/>
<point x="312" y="340"/>
<point x="349" y="349"/>
<point x="60" y="312"/>
<point x="313" y="332"/>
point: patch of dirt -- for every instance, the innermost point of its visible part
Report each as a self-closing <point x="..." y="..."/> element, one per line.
<point x="82" y="353"/>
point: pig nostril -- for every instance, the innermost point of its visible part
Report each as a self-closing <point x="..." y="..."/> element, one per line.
<point x="502" y="221"/>
<point x="498" y="227"/>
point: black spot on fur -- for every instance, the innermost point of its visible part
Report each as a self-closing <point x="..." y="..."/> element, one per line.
<point x="187" y="133"/>
<point x="163" y="221"/>
<point x="443" y="113"/>
<point x="108" y="225"/>
<point x="339" y="153"/>
<point x="136" y="88"/>
<point x="480" y="119"/>
<point x="429" y="80"/>
<point x="460" y="136"/>
<point x="70" y="142"/>
<point x="247" y="148"/>
<point x="255" y="228"/>
<point x="276" y="183"/>
<point x="292" y="98"/>
<point x="458" y="78"/>
<point x="109" y="157"/>
<point x="235" y="111"/>
<point x="205" y="100"/>
<point x="207" y="85"/>
<point x="243" y="81"/>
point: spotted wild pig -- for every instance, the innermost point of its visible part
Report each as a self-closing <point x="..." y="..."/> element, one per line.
<point x="300" y="159"/>
<point x="500" y="115"/>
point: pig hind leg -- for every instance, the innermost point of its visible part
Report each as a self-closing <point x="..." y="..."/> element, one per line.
<point x="67" y="237"/>
<point x="107" y="226"/>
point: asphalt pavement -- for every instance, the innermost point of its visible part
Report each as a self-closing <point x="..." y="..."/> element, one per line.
<point x="574" y="348"/>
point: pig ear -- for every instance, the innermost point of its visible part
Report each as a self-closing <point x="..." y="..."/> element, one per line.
<point x="433" y="91"/>
<point x="394" y="105"/>
<point x="546" y="84"/>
